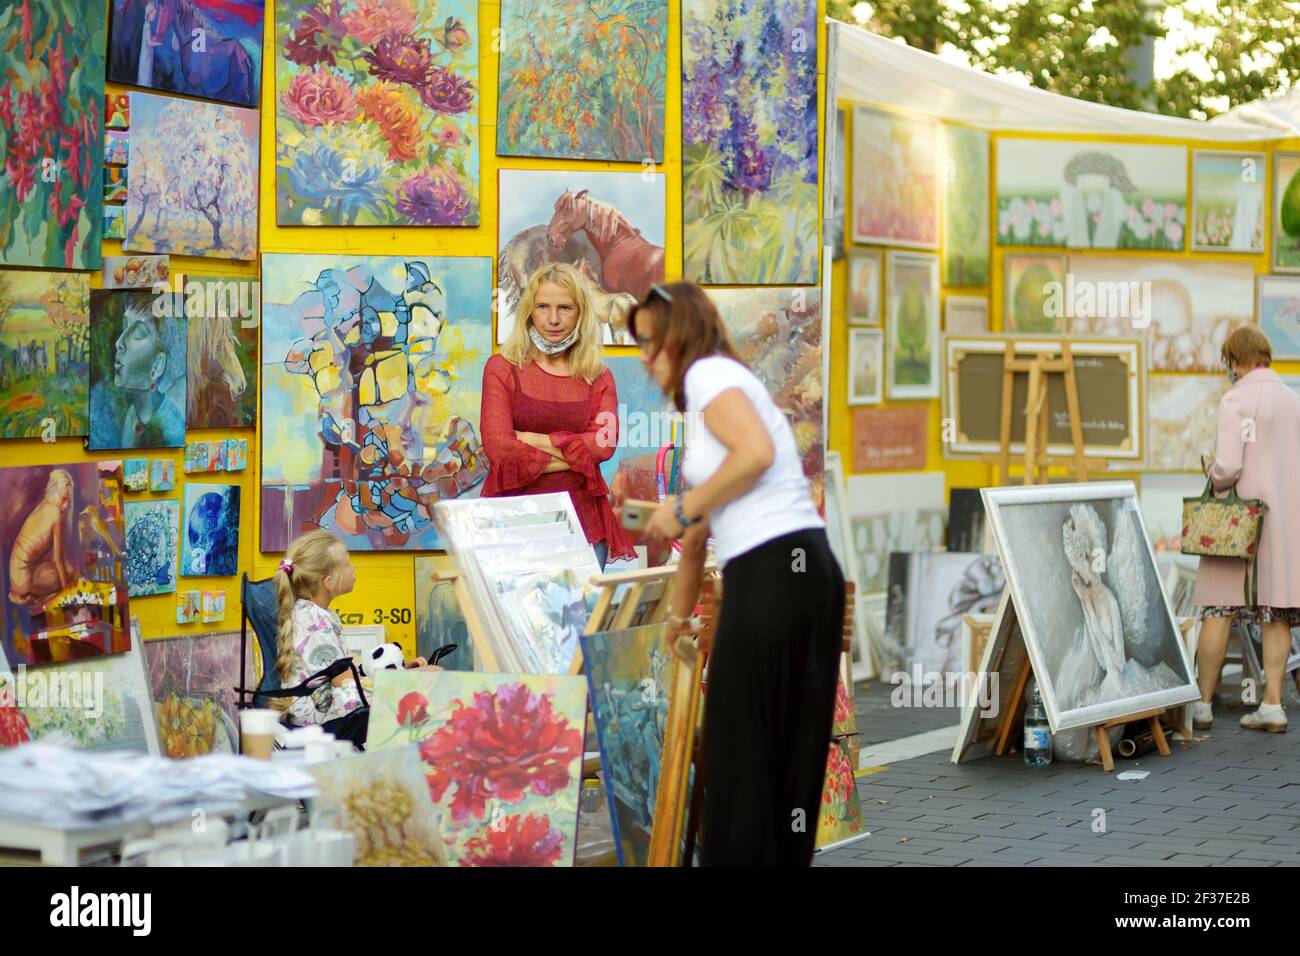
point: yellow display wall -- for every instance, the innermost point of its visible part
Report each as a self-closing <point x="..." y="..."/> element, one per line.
<point x="966" y="473"/>
<point x="385" y="580"/>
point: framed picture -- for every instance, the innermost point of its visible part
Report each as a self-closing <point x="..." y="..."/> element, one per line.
<point x="1111" y="380"/>
<point x="1278" y="304"/>
<point x="965" y="315"/>
<point x="1089" y="195"/>
<point x="1286" y="212"/>
<point x="965" y="206"/>
<point x="895" y="195"/>
<point x="1096" y="623"/>
<point x="840" y="534"/>
<point x="890" y="439"/>
<point x="866" y="366"/>
<point x="912" y="300"/>
<point x="864" y="287"/>
<point x="1182" y="415"/>
<point x="1182" y="307"/>
<point x="1032" y="294"/>
<point x="1228" y="201"/>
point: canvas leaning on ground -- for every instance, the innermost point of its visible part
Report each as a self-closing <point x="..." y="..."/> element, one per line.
<point x="1088" y="596"/>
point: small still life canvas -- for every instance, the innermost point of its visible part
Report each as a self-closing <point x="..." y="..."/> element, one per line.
<point x="135" y="474"/>
<point x="383" y="801"/>
<point x="192" y="680"/>
<point x="235" y="454"/>
<point x="210" y="533"/>
<point x="162" y="474"/>
<point x="502" y="757"/>
<point x="135" y="272"/>
<point x="213" y="608"/>
<point x="840" y="815"/>
<point x="189" y="606"/>
<point x="152" y="533"/>
<point x="630" y="674"/>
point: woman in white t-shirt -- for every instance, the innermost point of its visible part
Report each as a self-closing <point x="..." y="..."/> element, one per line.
<point x="772" y="670"/>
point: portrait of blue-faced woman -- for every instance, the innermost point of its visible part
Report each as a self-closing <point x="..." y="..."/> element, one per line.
<point x="137" y="372"/>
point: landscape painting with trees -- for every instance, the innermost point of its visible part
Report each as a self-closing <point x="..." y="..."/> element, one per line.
<point x="192" y="178"/>
<point x="44" y="347"/>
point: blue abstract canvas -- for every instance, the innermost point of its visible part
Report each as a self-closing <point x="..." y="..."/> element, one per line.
<point x="152" y="530"/>
<point x="210" y="534"/>
<point x="630" y="677"/>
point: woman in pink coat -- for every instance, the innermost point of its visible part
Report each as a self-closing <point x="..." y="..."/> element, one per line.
<point x="1258" y="449"/>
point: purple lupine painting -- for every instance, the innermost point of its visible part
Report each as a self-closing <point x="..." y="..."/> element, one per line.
<point x="749" y="126"/>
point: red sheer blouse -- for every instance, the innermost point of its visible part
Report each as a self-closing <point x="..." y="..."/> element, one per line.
<point x="580" y="420"/>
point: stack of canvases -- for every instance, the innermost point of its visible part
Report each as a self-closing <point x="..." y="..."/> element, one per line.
<point x="527" y="564"/>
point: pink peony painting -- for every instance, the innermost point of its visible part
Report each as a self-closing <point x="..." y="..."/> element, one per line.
<point x="502" y="755"/>
<point x="377" y="113"/>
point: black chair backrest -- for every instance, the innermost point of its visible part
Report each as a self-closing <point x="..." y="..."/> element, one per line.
<point x="262" y="611"/>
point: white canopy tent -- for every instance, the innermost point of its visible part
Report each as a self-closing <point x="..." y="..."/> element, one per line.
<point x="867" y="68"/>
<point x="1281" y="114"/>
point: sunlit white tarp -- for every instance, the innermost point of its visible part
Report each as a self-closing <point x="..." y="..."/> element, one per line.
<point x="865" y="67"/>
<point x="1280" y="114"/>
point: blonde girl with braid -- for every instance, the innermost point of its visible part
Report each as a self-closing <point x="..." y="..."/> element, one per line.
<point x="315" y="570"/>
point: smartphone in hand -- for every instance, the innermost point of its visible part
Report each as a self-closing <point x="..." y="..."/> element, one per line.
<point x="636" y="514"/>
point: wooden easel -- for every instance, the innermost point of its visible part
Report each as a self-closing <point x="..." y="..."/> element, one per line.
<point x="1014" y="714"/>
<point x="1039" y="368"/>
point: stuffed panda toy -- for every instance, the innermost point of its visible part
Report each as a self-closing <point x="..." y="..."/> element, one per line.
<point x="383" y="657"/>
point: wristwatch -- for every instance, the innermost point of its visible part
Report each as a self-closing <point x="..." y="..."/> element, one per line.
<point x="680" y="513"/>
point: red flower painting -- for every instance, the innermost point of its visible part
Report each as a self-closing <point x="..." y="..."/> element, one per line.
<point x="500" y="746"/>
<point x="412" y="709"/>
<point x="516" y="841"/>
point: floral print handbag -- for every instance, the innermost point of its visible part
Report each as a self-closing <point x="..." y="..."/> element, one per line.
<point x="1227" y="527"/>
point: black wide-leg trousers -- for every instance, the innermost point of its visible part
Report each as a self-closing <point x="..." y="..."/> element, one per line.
<point x="769" y="702"/>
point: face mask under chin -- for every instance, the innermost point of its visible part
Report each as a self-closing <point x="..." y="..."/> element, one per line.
<point x="552" y="348"/>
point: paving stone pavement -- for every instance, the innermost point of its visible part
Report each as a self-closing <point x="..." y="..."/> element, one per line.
<point x="1230" y="797"/>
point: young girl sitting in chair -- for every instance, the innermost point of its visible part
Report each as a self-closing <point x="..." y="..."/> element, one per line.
<point x="315" y="570"/>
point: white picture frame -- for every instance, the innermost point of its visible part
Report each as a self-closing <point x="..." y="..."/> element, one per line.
<point x="1286" y="344"/>
<point x="965" y="315"/>
<point x="922" y="269"/>
<point x="866" y="353"/>
<point x="1090" y="660"/>
<point x="840" y="533"/>
<point x="863" y="305"/>
<point x="1254" y="212"/>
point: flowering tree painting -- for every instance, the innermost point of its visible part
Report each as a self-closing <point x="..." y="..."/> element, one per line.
<point x="1081" y="195"/>
<point x="502" y="756"/>
<point x="749" y="130"/>
<point x="51" y="133"/>
<point x="192" y="178"/>
<point x="589" y="86"/>
<point x="377" y="113"/>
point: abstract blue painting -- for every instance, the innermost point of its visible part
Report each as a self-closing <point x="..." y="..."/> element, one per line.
<point x="210" y="534"/>
<point x="151" y="536"/>
<point x="630" y="677"/>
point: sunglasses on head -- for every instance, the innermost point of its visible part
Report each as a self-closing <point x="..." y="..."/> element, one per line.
<point x="655" y="291"/>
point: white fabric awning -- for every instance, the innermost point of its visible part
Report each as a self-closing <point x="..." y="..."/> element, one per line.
<point x="1280" y="114"/>
<point x="865" y="67"/>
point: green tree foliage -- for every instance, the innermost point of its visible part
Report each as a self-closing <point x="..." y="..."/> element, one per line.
<point x="1238" y="50"/>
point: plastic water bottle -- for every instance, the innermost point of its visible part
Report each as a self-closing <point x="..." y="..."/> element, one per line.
<point x="1038" y="732"/>
<point x="592" y="797"/>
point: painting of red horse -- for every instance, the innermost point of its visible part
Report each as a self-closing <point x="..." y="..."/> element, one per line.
<point x="609" y="225"/>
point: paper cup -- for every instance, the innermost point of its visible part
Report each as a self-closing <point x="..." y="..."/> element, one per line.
<point x="257" y="732"/>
